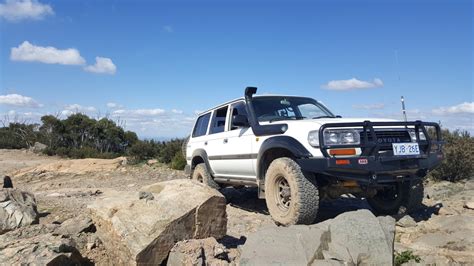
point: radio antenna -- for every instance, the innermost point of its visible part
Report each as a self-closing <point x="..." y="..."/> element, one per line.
<point x="403" y="109"/>
<point x="399" y="79"/>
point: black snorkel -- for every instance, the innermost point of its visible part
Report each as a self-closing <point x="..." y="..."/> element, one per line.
<point x="260" y="130"/>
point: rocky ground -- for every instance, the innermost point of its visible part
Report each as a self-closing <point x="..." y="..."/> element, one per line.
<point x="442" y="232"/>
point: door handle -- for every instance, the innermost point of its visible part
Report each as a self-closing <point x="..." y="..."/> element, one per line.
<point x="205" y="143"/>
<point x="226" y="140"/>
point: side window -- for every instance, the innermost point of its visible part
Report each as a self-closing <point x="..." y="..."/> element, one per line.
<point x="237" y="109"/>
<point x="286" y="112"/>
<point x="201" y="125"/>
<point x="218" y="122"/>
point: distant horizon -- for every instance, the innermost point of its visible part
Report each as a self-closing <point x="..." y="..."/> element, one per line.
<point x="156" y="64"/>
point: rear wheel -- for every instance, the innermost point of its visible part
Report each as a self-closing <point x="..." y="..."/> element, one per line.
<point x="291" y="196"/>
<point x="202" y="175"/>
<point x="399" y="198"/>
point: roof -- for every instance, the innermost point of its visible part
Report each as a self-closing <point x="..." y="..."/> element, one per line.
<point x="242" y="99"/>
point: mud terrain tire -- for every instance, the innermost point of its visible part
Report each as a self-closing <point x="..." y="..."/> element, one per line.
<point x="409" y="199"/>
<point x="202" y="175"/>
<point x="291" y="196"/>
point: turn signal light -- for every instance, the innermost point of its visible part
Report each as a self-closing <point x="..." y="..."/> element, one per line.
<point x="343" y="152"/>
<point x="350" y="183"/>
<point x="339" y="162"/>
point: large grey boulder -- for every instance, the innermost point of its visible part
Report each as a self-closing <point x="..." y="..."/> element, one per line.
<point x="17" y="209"/>
<point x="143" y="231"/>
<point x="37" y="245"/>
<point x="294" y="245"/>
<point x="361" y="238"/>
<point x="38" y="147"/>
<point x="356" y="237"/>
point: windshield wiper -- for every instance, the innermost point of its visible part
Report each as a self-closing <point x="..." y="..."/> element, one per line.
<point x="286" y="118"/>
<point x="324" y="116"/>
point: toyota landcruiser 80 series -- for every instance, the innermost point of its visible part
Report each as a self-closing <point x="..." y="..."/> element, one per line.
<point x="297" y="152"/>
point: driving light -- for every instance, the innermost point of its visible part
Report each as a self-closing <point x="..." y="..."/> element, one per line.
<point x="313" y="138"/>
<point x="341" y="137"/>
<point x="413" y="135"/>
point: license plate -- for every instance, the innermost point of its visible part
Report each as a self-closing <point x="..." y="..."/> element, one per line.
<point x="406" y="149"/>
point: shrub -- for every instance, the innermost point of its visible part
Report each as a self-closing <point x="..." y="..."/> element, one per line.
<point x="169" y="149"/>
<point x="143" y="150"/>
<point x="405" y="257"/>
<point x="62" y="151"/>
<point x="178" y="162"/>
<point x="458" y="157"/>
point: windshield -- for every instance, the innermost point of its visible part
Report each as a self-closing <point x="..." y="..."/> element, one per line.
<point x="274" y="108"/>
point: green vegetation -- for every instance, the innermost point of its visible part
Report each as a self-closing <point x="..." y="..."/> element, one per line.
<point x="459" y="157"/>
<point x="178" y="162"/>
<point x="80" y="136"/>
<point x="405" y="257"/>
<point x="165" y="152"/>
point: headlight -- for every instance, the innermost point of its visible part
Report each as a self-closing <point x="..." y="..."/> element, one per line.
<point x="413" y="135"/>
<point x="313" y="138"/>
<point x="341" y="137"/>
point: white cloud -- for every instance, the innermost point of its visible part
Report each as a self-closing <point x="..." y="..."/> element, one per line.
<point x="375" y="106"/>
<point x="168" y="29"/>
<point x="466" y="107"/>
<point x="155" y="122"/>
<point x="49" y="55"/>
<point x="19" y="101"/>
<point x="16" y="10"/>
<point x="113" y="105"/>
<point x="139" y="112"/>
<point x="352" y="84"/>
<point x="102" y="65"/>
<point x="66" y="113"/>
<point x="77" y="108"/>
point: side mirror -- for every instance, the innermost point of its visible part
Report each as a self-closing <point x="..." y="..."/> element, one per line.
<point x="338" y="116"/>
<point x="240" y="121"/>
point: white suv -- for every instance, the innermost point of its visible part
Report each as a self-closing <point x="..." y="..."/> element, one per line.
<point x="297" y="152"/>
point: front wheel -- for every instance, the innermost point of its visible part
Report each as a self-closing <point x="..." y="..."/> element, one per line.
<point x="291" y="196"/>
<point x="400" y="198"/>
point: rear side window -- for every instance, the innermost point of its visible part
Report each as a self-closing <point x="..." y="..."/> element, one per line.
<point x="218" y="123"/>
<point x="201" y="125"/>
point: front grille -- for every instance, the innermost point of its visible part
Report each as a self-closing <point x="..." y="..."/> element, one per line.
<point x="386" y="138"/>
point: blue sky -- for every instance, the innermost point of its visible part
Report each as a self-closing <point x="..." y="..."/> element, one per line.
<point x="153" y="64"/>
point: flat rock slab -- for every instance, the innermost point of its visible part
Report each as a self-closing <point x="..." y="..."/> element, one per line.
<point x="357" y="238"/>
<point x="142" y="231"/>
<point x="44" y="249"/>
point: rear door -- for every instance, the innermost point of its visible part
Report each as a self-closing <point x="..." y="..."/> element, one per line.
<point x="235" y="157"/>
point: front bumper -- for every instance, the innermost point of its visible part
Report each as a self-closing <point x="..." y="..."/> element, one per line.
<point x="372" y="170"/>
